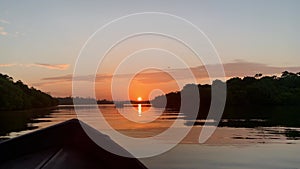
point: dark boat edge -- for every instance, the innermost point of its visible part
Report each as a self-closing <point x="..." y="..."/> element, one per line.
<point x="63" y="145"/>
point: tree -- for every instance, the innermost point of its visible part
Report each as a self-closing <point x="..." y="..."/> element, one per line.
<point x="17" y="95"/>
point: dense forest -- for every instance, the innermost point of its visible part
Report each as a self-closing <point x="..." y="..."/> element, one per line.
<point x="18" y="96"/>
<point x="248" y="93"/>
<point x="265" y="90"/>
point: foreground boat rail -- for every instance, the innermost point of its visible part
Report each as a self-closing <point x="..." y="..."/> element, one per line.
<point x="63" y="145"/>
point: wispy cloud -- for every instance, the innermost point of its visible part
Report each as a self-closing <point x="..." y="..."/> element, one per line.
<point x="69" y="77"/>
<point x="42" y="65"/>
<point x="238" y="68"/>
<point x="7" y="65"/>
<point x="4" y="21"/>
<point x="52" y="66"/>
<point x="244" y="68"/>
<point x="56" y="78"/>
<point x="2" y="31"/>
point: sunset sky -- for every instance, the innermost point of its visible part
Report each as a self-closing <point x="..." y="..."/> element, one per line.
<point x="40" y="40"/>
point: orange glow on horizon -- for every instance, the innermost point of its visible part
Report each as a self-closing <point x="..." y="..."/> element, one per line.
<point x="149" y="80"/>
<point x="142" y="85"/>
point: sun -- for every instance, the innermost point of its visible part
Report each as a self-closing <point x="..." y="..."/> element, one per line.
<point x="139" y="99"/>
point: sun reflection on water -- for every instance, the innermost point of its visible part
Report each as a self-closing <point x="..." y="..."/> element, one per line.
<point x="140" y="109"/>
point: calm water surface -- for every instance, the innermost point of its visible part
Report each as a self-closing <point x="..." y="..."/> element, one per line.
<point x="259" y="147"/>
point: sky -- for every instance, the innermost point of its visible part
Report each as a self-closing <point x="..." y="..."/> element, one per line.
<point x="41" y="40"/>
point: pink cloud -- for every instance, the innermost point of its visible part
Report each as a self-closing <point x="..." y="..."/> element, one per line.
<point x="7" y="65"/>
<point x="52" y="66"/>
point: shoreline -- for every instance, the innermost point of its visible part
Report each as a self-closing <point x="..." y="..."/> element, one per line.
<point x="31" y="109"/>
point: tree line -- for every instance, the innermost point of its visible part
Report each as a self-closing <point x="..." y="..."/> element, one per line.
<point x="18" y="96"/>
<point x="249" y="91"/>
<point x="81" y="100"/>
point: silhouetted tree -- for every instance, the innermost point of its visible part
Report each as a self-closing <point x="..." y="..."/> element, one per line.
<point x="17" y="95"/>
<point x="249" y="91"/>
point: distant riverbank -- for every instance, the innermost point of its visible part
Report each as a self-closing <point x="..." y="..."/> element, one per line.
<point x="82" y="101"/>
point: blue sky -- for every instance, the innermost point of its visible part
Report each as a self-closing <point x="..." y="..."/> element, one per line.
<point x="42" y="39"/>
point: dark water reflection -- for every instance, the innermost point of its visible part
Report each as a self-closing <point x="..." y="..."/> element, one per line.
<point x="268" y="119"/>
<point x="14" y="121"/>
<point x="287" y="117"/>
<point x="267" y="116"/>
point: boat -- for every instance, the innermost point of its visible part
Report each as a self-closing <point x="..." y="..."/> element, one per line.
<point x="63" y="145"/>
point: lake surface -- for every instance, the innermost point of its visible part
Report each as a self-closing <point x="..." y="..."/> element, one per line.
<point x="229" y="147"/>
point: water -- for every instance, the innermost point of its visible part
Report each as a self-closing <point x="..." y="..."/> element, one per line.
<point x="254" y="156"/>
<point x="229" y="147"/>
